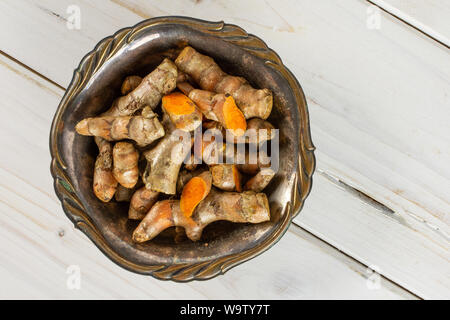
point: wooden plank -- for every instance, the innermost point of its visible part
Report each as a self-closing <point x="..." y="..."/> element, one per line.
<point x="38" y="243"/>
<point x="431" y="17"/>
<point x="377" y="101"/>
<point x="386" y="236"/>
<point x="49" y="25"/>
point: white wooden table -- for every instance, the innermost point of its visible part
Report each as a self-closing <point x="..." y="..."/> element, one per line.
<point x="377" y="78"/>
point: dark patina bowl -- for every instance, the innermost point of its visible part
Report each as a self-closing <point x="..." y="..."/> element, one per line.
<point x="96" y="82"/>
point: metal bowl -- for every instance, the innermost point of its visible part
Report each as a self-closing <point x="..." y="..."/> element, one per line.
<point x="96" y="82"/>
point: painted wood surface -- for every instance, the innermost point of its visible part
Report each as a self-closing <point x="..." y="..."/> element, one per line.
<point x="38" y="243"/>
<point x="378" y="96"/>
<point x="430" y="16"/>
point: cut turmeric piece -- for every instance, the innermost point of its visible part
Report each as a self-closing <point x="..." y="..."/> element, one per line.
<point x="195" y="191"/>
<point x="177" y="103"/>
<point x="234" y="119"/>
<point x="182" y="111"/>
<point x="221" y="108"/>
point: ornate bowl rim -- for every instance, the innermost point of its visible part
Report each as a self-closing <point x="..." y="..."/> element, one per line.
<point x="75" y="210"/>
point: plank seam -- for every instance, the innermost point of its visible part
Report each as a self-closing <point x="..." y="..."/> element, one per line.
<point x="295" y="225"/>
<point x="31" y="70"/>
<point x="391" y="213"/>
<point x="442" y="40"/>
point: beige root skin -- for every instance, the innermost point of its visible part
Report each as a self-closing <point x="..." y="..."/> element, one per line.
<point x="180" y="235"/>
<point x="104" y="183"/>
<point x="209" y="103"/>
<point x="253" y="164"/>
<point x="126" y="170"/>
<point x="259" y="131"/>
<point x="165" y="159"/>
<point x="148" y="113"/>
<point x="129" y="84"/>
<point x="260" y="181"/>
<point x="138" y="128"/>
<point x="183" y="78"/>
<point x="226" y="177"/>
<point x="123" y="194"/>
<point x="205" y="100"/>
<point x="190" y="163"/>
<point x="149" y="92"/>
<point x="252" y="134"/>
<point x="232" y="206"/>
<point x="185" y="86"/>
<point x="141" y="202"/>
<point x="159" y="218"/>
<point x="203" y="69"/>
